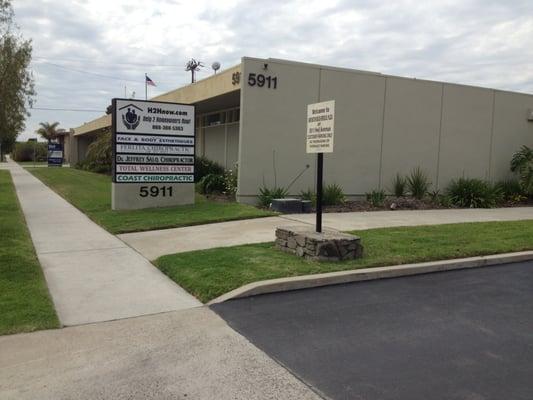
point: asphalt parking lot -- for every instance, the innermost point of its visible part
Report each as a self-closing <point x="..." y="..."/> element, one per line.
<point x="464" y="334"/>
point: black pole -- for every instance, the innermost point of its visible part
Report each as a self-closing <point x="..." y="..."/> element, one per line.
<point x="319" y="169"/>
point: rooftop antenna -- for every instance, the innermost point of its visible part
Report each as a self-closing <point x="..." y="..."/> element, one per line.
<point x="193" y="66"/>
<point x="215" y="66"/>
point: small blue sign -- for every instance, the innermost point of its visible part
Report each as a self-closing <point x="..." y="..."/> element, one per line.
<point x="55" y="154"/>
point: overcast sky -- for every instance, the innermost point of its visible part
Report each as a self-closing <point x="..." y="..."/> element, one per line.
<point x="86" y="52"/>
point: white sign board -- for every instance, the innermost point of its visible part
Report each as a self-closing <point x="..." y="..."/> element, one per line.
<point x="320" y="127"/>
<point x="156" y="118"/>
<point x="153" y="154"/>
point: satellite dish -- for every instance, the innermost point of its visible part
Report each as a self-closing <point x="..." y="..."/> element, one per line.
<point x="215" y="66"/>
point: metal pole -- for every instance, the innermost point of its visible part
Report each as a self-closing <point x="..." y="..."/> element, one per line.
<point x="319" y="173"/>
<point x="145" y="88"/>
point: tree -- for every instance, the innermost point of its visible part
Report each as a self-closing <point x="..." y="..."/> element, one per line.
<point x="48" y="130"/>
<point x="522" y="163"/>
<point x="16" y="80"/>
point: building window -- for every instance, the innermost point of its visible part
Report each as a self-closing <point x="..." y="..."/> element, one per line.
<point x="214" y="119"/>
<point x="233" y="115"/>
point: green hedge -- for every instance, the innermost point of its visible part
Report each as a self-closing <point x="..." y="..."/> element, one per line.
<point x="99" y="155"/>
<point x="23" y="151"/>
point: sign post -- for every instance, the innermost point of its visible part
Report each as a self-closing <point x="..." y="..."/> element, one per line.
<point x="320" y="133"/>
<point x="153" y="154"/>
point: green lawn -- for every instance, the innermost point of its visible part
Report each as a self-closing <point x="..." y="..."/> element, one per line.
<point x="25" y="303"/>
<point x="210" y="273"/>
<point x="91" y="193"/>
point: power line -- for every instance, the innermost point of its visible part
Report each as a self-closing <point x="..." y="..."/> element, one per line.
<point x="66" y="109"/>
<point x="101" y="75"/>
<point x="89" y="60"/>
<point x="90" y="73"/>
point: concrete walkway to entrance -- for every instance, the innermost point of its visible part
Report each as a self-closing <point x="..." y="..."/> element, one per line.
<point x="92" y="275"/>
<point x="154" y="244"/>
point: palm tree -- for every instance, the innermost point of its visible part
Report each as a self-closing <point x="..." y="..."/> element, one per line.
<point x="522" y="163"/>
<point x="48" y="130"/>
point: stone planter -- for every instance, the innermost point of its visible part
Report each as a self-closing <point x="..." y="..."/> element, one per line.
<point x="325" y="246"/>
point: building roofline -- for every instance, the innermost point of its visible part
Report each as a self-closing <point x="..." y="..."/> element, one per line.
<point x="352" y="70"/>
<point x="212" y="76"/>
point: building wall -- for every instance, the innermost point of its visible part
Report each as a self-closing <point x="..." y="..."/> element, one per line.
<point x="384" y="125"/>
<point x="272" y="129"/>
<point x="511" y="130"/>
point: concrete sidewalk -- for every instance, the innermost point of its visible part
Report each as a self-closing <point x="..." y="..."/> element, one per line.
<point x="188" y="354"/>
<point x="92" y="275"/>
<point x="153" y="244"/>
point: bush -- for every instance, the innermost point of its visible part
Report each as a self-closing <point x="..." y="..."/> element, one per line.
<point x="204" y="166"/>
<point x="333" y="195"/>
<point x="266" y="195"/>
<point x="437" y="198"/>
<point x="308" y="194"/>
<point x="418" y="183"/>
<point x="230" y="181"/>
<point x="376" y="197"/>
<point x="511" y="190"/>
<point x="473" y="193"/>
<point x="522" y="164"/>
<point x="399" y="185"/>
<point x="99" y="155"/>
<point x="212" y="183"/>
<point x="23" y="151"/>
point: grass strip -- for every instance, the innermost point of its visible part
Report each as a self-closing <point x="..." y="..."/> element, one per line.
<point x="91" y="193"/>
<point x="25" y="304"/>
<point x="208" y="274"/>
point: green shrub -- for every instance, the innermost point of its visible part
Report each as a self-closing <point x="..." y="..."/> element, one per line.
<point x="522" y="164"/>
<point x="473" y="193"/>
<point x="333" y="195"/>
<point x="266" y="195"/>
<point x="399" y="185"/>
<point x="212" y="183"/>
<point x="444" y="201"/>
<point x="440" y="199"/>
<point x="99" y="155"/>
<point x="376" y="197"/>
<point x="230" y="181"/>
<point x="23" y="151"/>
<point x="204" y="166"/>
<point x="308" y="194"/>
<point x="434" y="195"/>
<point x="418" y="183"/>
<point x="511" y="190"/>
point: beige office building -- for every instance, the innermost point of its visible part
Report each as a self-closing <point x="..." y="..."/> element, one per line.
<point x="254" y="115"/>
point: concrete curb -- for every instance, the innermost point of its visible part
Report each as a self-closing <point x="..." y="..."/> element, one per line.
<point x="366" y="274"/>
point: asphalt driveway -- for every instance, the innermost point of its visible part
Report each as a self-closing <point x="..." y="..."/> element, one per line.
<point x="454" y="335"/>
